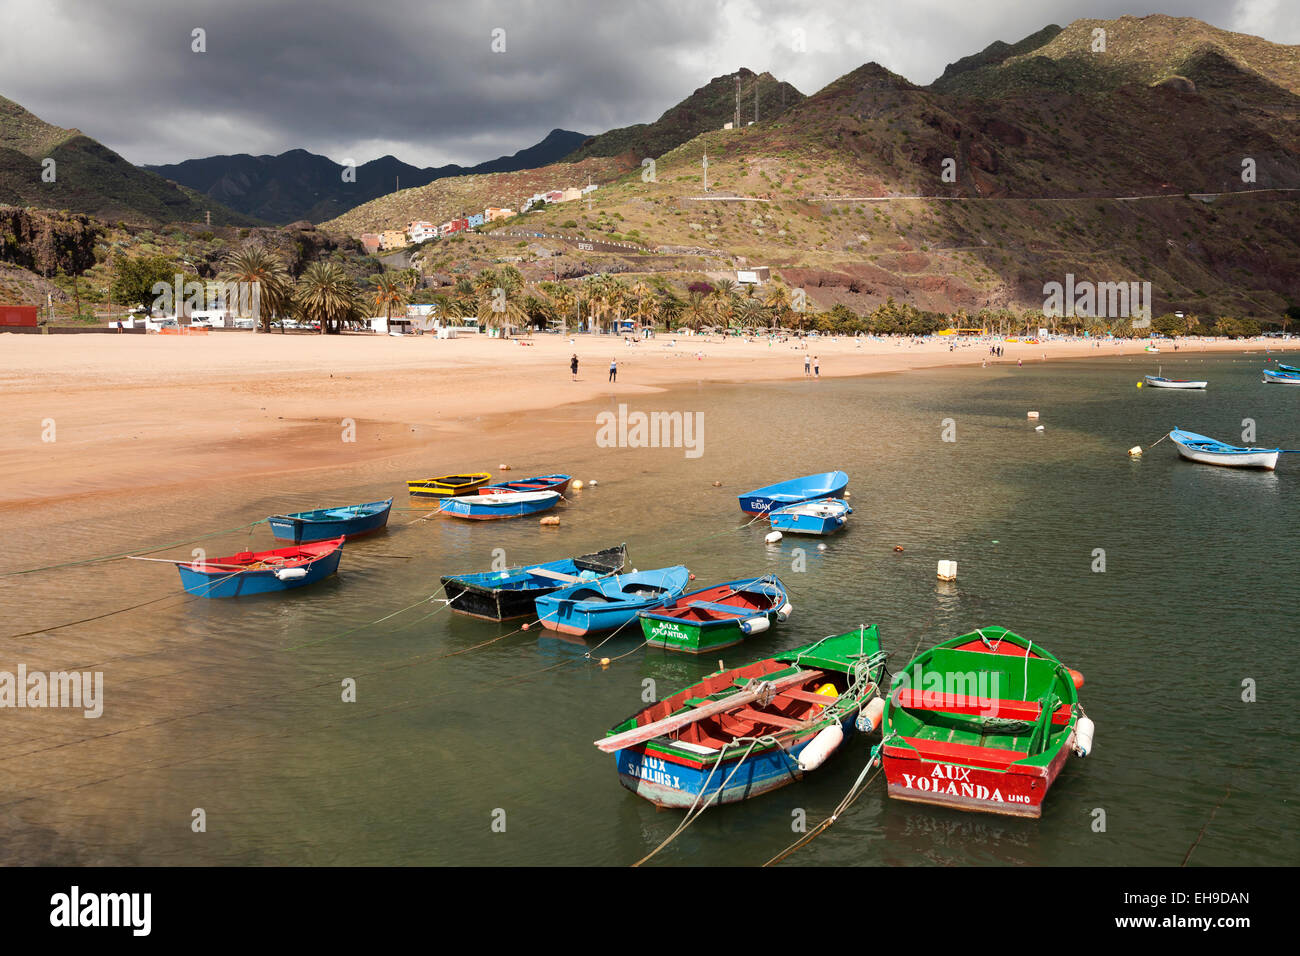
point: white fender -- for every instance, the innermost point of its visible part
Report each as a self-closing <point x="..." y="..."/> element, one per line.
<point x="784" y="611"/>
<point x="869" y="717"/>
<point x="291" y="574"/>
<point x="822" y="746"/>
<point x="755" y="625"/>
<point x="773" y="537"/>
<point x="1083" y="732"/>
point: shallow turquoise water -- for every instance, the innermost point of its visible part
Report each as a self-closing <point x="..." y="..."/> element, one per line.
<point x="235" y="706"/>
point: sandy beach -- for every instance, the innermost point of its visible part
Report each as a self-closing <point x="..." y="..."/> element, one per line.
<point x="90" y="415"/>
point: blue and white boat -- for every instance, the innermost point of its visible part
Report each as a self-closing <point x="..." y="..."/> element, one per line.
<point x="350" y="521"/>
<point x="1289" y="368"/>
<point x="1281" y="378"/>
<point x="610" y="602"/>
<point x="824" y="516"/>
<point x="1208" y="451"/>
<point x="828" y="484"/>
<point x="489" y="507"/>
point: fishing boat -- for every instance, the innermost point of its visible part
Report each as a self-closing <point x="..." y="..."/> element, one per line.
<point x="448" y="486"/>
<point x="610" y="602"/>
<point x="1281" y="378"/>
<point x="350" y="521"/>
<point x="744" y="732"/>
<point x="515" y="504"/>
<point x="510" y="593"/>
<point x="1159" y="381"/>
<point x="828" y="484"/>
<point x="1289" y="368"/>
<point x="982" y="722"/>
<point x="825" y="516"/>
<point x="1208" y="451"/>
<point x="558" y="483"/>
<point x="716" y="617"/>
<point x="258" y="572"/>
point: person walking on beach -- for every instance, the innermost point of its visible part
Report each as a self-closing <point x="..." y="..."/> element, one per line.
<point x="613" y="370"/>
<point x="807" y="365"/>
<point x="817" y="368"/>
<point x="573" y="366"/>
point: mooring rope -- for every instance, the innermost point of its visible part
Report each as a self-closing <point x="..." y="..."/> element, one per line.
<point x="125" y="554"/>
<point x="859" y="787"/>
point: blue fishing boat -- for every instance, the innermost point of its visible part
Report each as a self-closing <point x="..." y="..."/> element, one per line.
<point x="741" y="733"/>
<point x="608" y="603"/>
<point x="1281" y="378"/>
<point x="259" y="572"/>
<point x="824" y="516"/>
<point x="1289" y="368"/>
<point x="509" y="505"/>
<point x="510" y="593"/>
<point x="559" y="483"/>
<point x="350" y="521"/>
<point x="1208" y="451"/>
<point x="828" y="484"/>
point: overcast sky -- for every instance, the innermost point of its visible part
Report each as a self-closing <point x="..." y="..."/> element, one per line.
<point x="418" y="78"/>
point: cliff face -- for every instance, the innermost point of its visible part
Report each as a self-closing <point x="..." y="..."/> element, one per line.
<point x="47" y="242"/>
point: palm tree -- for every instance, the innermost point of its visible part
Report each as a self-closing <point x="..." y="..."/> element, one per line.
<point x="778" y="300"/>
<point x="264" y="271"/>
<point x="642" y="295"/>
<point x="326" y="294"/>
<point x="390" y="291"/>
<point x="696" y="311"/>
<point x="753" y="314"/>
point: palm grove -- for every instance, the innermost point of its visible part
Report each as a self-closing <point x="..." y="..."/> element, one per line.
<point x="326" y="297"/>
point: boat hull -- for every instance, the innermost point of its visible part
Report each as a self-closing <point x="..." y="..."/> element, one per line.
<point x="676" y="783"/>
<point x="1156" y="382"/>
<point x="301" y="530"/>
<point x="693" y="638"/>
<point x="494" y="507"/>
<point x="810" y="488"/>
<point x="1280" y="378"/>
<point x="1261" y="459"/>
<point x="609" y="603"/>
<point x="558" y="483"/>
<point x="1016" y="792"/>
<point x="818" y="519"/>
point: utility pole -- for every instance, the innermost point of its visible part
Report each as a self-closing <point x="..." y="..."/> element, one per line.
<point x="736" y="125"/>
<point x="755" y="98"/>
<point x="706" y="172"/>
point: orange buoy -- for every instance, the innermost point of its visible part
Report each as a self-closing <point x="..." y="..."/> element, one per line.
<point x="898" y="547"/>
<point x="1076" y="677"/>
<point x="525" y="627"/>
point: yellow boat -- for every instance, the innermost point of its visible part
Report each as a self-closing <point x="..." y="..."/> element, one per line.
<point x="448" y="486"/>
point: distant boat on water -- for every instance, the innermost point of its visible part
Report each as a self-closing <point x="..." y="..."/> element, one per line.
<point x="447" y="486"/>
<point x="610" y="602"/>
<point x="1281" y="378"/>
<point x="1159" y="381"/>
<point x="1209" y="451"/>
<point x="827" y="484"/>
<point x="558" y="483"/>
<point x="822" y="516"/>
<point x="349" y="521"/>
<point x="716" y="617"/>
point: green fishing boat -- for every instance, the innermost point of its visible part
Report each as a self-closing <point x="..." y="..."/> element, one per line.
<point x="983" y="722"/>
<point x="721" y="616"/>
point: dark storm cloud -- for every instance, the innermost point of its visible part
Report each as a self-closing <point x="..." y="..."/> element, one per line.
<point x="418" y="78"/>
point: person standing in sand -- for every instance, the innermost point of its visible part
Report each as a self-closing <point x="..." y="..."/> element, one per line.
<point x="613" y="370"/>
<point x="573" y="366"/>
<point x="817" y="367"/>
<point x="807" y="365"/>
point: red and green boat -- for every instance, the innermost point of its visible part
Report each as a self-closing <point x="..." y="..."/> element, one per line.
<point x="746" y="731"/>
<point x="983" y="722"/>
<point x="721" y="616"/>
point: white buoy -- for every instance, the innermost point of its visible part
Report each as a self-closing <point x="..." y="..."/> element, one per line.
<point x="821" y="547"/>
<point x="755" y="625"/>
<point x="822" y="746"/>
<point x="1135" y="451"/>
<point x="291" y="574"/>
<point x="1033" y="414"/>
<point x="773" y="537"/>
<point x="593" y="482"/>
<point x="947" y="570"/>
<point x="869" y="719"/>
<point x="576" y="486"/>
<point x="1083" y="732"/>
<point x="784" y="611"/>
<point x="1038" y="428"/>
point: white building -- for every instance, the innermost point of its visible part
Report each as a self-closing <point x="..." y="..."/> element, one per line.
<point x="421" y="231"/>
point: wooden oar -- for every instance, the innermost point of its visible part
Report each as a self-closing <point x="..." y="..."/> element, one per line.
<point x="206" y="564"/>
<point x="639" y="735"/>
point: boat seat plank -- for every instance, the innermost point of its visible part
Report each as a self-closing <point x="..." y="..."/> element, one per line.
<point x="914" y="699"/>
<point x="807" y="697"/>
<point x="731" y="609"/>
<point x="554" y="575"/>
<point x="776" y="720"/>
<point x="996" y="758"/>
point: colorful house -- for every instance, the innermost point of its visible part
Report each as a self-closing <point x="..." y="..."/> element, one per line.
<point x="392" y="239"/>
<point x="493" y="213"/>
<point x="475" y="220"/>
<point x="371" y="242"/>
<point x="421" y="231"/>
